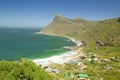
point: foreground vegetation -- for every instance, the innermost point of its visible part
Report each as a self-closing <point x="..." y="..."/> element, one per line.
<point x="23" y="70"/>
<point x="27" y="70"/>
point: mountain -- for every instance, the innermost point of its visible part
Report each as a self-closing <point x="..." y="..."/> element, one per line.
<point x="62" y="25"/>
<point x="100" y="36"/>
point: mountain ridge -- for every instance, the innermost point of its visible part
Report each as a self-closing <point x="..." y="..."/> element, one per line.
<point x="103" y="33"/>
<point x="64" y="23"/>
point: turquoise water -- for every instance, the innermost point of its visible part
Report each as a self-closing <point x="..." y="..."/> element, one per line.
<point x="24" y="43"/>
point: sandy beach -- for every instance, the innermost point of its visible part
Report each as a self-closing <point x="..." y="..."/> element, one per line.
<point x="63" y="58"/>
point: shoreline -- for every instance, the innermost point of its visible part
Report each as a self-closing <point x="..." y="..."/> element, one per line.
<point x="57" y="59"/>
<point x="62" y="58"/>
<point x="77" y="42"/>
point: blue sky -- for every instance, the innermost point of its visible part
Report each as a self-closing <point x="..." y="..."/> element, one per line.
<point x="39" y="13"/>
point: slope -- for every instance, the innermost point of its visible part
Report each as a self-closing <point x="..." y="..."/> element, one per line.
<point x="100" y="36"/>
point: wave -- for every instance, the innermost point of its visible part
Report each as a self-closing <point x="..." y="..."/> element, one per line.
<point x="37" y="33"/>
<point x="68" y="40"/>
<point x="59" y="59"/>
<point x="68" y="47"/>
<point x="54" y="50"/>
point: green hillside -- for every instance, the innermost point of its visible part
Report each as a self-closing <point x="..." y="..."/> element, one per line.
<point x="100" y="36"/>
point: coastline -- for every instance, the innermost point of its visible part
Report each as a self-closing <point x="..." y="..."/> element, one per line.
<point x="63" y="58"/>
<point x="57" y="59"/>
<point x="77" y="42"/>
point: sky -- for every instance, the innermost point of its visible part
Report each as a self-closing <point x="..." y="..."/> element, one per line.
<point x="39" y="13"/>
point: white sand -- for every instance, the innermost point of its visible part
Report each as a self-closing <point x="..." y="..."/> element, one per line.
<point x="58" y="59"/>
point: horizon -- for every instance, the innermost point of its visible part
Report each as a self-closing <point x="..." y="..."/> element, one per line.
<point x="39" y="13"/>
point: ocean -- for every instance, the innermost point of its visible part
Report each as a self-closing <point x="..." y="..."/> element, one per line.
<point x="17" y="43"/>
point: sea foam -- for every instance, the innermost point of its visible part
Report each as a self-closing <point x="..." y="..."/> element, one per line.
<point x="58" y="59"/>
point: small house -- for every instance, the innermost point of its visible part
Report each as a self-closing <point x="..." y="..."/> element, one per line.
<point x="83" y="77"/>
<point x="105" y="60"/>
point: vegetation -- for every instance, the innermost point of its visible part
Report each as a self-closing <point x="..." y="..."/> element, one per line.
<point x="23" y="70"/>
<point x="95" y="70"/>
<point x="100" y="36"/>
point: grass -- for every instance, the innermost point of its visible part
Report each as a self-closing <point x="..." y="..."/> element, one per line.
<point x="101" y="37"/>
<point x="94" y="70"/>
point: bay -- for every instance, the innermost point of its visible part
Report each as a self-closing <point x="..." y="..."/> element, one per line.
<point x="17" y="43"/>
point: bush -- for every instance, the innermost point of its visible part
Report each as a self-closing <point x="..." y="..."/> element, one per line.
<point x="24" y="70"/>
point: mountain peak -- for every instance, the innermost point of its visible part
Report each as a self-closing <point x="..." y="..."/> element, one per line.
<point x="59" y="17"/>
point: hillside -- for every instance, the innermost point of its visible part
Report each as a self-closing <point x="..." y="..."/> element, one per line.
<point x="63" y="26"/>
<point x="100" y="36"/>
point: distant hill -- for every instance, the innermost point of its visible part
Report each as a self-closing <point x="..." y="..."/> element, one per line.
<point x="98" y="35"/>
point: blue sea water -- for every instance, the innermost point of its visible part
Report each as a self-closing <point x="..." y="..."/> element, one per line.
<point x="25" y="43"/>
